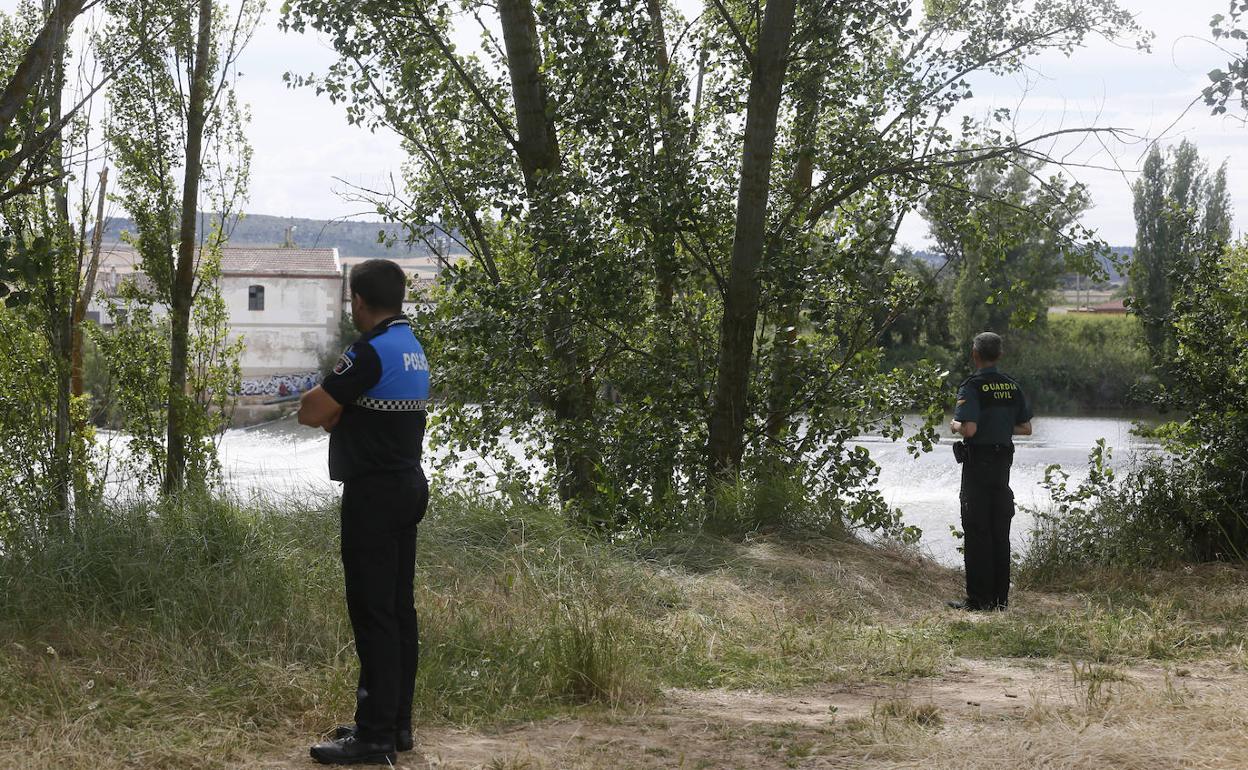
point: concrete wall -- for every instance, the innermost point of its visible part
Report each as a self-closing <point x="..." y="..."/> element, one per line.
<point x="297" y="327"/>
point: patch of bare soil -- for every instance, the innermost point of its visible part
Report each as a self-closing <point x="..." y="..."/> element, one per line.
<point x="1026" y="714"/>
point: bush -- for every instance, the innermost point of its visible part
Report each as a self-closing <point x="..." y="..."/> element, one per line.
<point x="1153" y="517"/>
<point x="1075" y="362"/>
<point x="1208" y="382"/>
<point x="1191" y="505"/>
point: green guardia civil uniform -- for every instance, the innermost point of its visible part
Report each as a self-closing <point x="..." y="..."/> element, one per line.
<point x="996" y="403"/>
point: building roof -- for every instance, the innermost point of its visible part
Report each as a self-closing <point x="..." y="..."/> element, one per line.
<point x="256" y="260"/>
<point x="417" y="290"/>
<point x="244" y="260"/>
<point x="1113" y="306"/>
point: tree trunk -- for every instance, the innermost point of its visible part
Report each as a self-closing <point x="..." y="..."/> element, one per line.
<point x="783" y="384"/>
<point x="40" y="57"/>
<point x="183" y="288"/>
<point x="664" y="228"/>
<point x="88" y="287"/>
<point x="725" y="443"/>
<point x="663" y="247"/>
<point x="60" y="289"/>
<point x="538" y="153"/>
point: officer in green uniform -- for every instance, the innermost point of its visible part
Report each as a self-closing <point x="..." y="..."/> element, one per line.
<point x="991" y="410"/>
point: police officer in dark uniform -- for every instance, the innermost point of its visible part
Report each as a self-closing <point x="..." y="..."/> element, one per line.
<point x="374" y="404"/>
<point x="991" y="410"/>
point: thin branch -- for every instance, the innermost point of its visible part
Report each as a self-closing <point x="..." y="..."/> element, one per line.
<point x="464" y="77"/>
<point x="742" y="42"/>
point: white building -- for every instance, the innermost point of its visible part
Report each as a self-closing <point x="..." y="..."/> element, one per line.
<point x="419" y="288"/>
<point x="284" y="302"/>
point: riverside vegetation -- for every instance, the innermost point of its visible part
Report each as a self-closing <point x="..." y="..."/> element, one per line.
<point x="680" y="237"/>
<point x="210" y="633"/>
<point x="1069" y="364"/>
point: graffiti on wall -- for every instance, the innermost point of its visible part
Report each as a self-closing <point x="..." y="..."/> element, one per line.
<point x="280" y="384"/>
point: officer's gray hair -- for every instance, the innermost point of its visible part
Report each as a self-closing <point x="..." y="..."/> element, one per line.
<point x="988" y="346"/>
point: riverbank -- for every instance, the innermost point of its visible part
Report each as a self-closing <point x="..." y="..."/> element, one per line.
<point x="1087" y="364"/>
<point x="214" y="636"/>
<point x="285" y="458"/>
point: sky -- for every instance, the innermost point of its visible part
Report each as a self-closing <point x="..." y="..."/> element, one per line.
<point x="307" y="155"/>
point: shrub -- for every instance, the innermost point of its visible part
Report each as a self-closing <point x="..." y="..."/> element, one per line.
<point x="1152" y="517"/>
<point x="1077" y="362"/>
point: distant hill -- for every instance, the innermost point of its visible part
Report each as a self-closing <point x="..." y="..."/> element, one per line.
<point x="1115" y="275"/>
<point x="352" y="239"/>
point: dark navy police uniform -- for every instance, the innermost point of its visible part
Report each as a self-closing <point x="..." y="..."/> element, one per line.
<point x="995" y="403"/>
<point x="382" y="382"/>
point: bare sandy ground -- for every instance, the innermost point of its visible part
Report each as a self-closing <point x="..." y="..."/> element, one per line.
<point x="978" y="714"/>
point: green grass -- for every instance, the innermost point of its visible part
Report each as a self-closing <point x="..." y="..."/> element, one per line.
<point x="195" y="633"/>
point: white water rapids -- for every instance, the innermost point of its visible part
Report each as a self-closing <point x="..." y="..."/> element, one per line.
<point x="283" y="457"/>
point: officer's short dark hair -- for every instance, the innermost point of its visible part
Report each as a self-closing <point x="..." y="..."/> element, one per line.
<point x="380" y="283"/>
<point x="988" y="346"/>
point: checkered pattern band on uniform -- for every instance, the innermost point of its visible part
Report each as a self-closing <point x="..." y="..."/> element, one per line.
<point x="392" y="405"/>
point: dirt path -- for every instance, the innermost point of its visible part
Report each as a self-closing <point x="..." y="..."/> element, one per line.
<point x="1059" y="715"/>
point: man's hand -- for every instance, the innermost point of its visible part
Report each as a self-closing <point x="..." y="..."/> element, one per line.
<point x="318" y="409"/>
<point x="1023" y="429"/>
<point x="965" y="429"/>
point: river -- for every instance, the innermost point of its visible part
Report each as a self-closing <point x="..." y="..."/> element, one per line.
<point x="284" y="457"/>
<point x="926" y="488"/>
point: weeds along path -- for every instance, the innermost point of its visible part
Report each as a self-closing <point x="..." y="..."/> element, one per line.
<point x="981" y="714"/>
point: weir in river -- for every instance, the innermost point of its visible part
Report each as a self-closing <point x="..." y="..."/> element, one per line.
<point x="283" y="457"/>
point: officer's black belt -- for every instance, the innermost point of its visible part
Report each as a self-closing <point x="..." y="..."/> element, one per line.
<point x="989" y="449"/>
<point x="393" y="405"/>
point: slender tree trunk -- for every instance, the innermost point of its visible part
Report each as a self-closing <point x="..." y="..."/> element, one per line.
<point x="88" y="287"/>
<point x="664" y="229"/>
<point x="60" y="287"/>
<point x="41" y="57"/>
<point x="538" y="152"/>
<point x="663" y="246"/>
<point x="725" y="444"/>
<point x="784" y="340"/>
<point x="183" y="288"/>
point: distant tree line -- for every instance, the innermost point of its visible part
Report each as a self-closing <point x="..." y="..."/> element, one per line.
<point x="385" y="240"/>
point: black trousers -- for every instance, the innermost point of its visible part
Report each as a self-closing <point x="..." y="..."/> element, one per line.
<point x="987" y="509"/>
<point x="379" y="517"/>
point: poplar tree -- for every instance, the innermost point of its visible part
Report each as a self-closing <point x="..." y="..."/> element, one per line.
<point x="1182" y="216"/>
<point x="177" y="131"/>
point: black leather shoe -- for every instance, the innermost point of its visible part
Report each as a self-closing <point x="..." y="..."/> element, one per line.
<point x="402" y="738"/>
<point x="964" y="605"/>
<point x="352" y="751"/>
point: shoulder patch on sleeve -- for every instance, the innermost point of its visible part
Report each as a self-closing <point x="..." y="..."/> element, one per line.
<point x="345" y="362"/>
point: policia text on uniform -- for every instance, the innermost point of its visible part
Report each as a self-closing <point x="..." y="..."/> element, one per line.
<point x="373" y="404"/>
